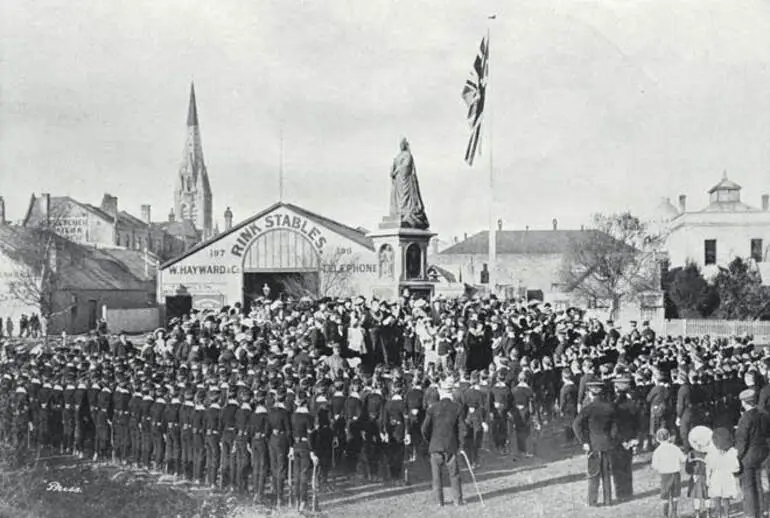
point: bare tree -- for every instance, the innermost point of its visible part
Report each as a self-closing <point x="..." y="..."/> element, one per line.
<point x="333" y="279"/>
<point x="336" y="274"/>
<point x="615" y="260"/>
<point x="38" y="255"/>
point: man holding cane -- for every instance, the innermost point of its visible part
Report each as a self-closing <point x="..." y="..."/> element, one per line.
<point x="595" y="427"/>
<point x="443" y="428"/>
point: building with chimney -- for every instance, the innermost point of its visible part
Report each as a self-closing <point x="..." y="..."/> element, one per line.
<point x="106" y="226"/>
<point x="192" y="195"/>
<point x="714" y="235"/>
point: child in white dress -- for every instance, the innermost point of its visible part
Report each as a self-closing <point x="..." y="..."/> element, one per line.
<point x="721" y="467"/>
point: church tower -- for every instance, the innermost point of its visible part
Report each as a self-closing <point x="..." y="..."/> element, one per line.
<point x="192" y="197"/>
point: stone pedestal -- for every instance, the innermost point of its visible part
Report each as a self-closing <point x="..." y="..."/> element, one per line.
<point x="402" y="257"/>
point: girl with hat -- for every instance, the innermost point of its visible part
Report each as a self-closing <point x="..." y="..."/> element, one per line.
<point x="722" y="465"/>
<point x="699" y="439"/>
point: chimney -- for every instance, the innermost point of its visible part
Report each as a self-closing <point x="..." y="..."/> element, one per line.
<point x="465" y="236"/>
<point x="146" y="214"/>
<point x="499" y="224"/>
<point x="555" y="224"/>
<point x="228" y="219"/>
<point x="2" y="211"/>
<point x="526" y="228"/>
<point x="582" y="228"/>
<point x="456" y="240"/>
<point x="46" y="208"/>
<point x="110" y="205"/>
<point x="682" y="203"/>
<point x="765" y="202"/>
<point x="171" y="216"/>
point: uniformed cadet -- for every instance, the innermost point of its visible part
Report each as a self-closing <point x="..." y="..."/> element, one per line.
<point x="199" y="436"/>
<point x="302" y="452"/>
<point x="523" y="401"/>
<point x="146" y="425"/>
<point x="227" y="461"/>
<point x="43" y="415"/>
<point x="501" y="403"/>
<point x="568" y="402"/>
<point x="55" y="418"/>
<point x="81" y="415"/>
<point x="279" y="443"/>
<point x="372" y="448"/>
<point x="158" y="426"/>
<point x="33" y="395"/>
<point x="415" y="412"/>
<point x="593" y="428"/>
<point x="259" y="429"/>
<point x="242" y="441"/>
<point x="628" y="422"/>
<point x="120" y="400"/>
<point x="354" y="410"/>
<point x="102" y="413"/>
<point x="186" y="411"/>
<point x="476" y="418"/>
<point x="135" y="425"/>
<point x="68" y="416"/>
<point x="22" y="425"/>
<point x="212" y="424"/>
<point x="394" y="431"/>
<point x="323" y="437"/>
<point x="171" y="421"/>
<point x="337" y="411"/>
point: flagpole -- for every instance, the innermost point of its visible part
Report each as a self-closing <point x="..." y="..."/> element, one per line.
<point x="280" y="166"/>
<point x="488" y="128"/>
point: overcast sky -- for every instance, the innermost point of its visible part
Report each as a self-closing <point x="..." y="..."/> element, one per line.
<point x="597" y="105"/>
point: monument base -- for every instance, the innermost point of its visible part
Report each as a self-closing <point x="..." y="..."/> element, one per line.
<point x="403" y="260"/>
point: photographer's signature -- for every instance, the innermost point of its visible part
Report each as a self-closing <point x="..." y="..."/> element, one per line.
<point x="56" y="487"/>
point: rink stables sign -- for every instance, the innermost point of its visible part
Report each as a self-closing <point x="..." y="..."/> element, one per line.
<point x="276" y="222"/>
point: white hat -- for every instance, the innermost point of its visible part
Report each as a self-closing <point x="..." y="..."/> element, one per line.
<point x="700" y="438"/>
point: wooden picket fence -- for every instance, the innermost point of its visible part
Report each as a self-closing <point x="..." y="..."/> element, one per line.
<point x="760" y="330"/>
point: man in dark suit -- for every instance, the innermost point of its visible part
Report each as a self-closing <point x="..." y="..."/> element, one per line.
<point x="684" y="410"/>
<point x="443" y="428"/>
<point x="596" y="427"/>
<point x="751" y="443"/>
<point x="628" y="419"/>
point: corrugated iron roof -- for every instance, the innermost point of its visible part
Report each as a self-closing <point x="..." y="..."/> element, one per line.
<point x="344" y="230"/>
<point x="80" y="267"/>
<point x="522" y="242"/>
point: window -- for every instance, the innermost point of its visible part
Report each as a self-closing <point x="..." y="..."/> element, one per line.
<point x="756" y="250"/>
<point x="710" y="251"/>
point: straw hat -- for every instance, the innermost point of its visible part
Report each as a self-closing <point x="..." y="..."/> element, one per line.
<point x="700" y="438"/>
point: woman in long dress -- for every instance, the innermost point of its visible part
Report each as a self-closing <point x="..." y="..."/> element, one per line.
<point x="405" y="199"/>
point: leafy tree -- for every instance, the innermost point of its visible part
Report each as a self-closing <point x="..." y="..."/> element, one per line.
<point x="614" y="260"/>
<point x="691" y="294"/>
<point x="740" y="290"/>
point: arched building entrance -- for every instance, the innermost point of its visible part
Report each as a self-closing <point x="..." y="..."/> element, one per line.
<point x="285" y="260"/>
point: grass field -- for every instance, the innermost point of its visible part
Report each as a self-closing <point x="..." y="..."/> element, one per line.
<point x="551" y="485"/>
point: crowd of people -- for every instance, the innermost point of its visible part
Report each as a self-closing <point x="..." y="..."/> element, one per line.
<point x="295" y="390"/>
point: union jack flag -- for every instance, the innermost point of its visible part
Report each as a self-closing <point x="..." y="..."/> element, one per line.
<point x="474" y="95"/>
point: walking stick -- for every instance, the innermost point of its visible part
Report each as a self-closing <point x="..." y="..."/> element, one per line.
<point x="314" y="501"/>
<point x="473" y="476"/>
<point x="291" y="481"/>
<point x="112" y="443"/>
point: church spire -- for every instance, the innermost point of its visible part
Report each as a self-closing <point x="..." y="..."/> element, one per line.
<point x="192" y="111"/>
<point x="192" y="195"/>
